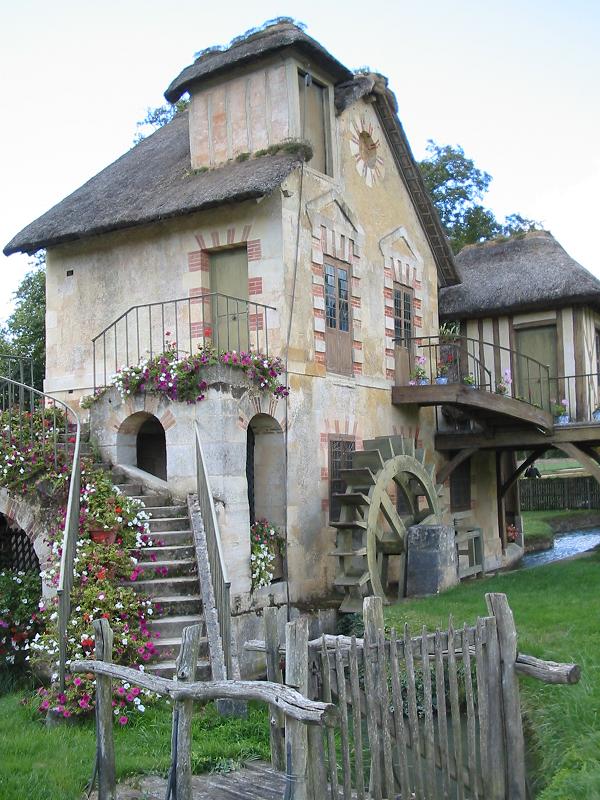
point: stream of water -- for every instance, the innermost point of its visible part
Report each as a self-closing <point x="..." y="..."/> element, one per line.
<point x="565" y="545"/>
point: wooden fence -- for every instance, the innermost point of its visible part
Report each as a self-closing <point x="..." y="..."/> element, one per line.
<point x="556" y="494"/>
<point x="427" y="717"/>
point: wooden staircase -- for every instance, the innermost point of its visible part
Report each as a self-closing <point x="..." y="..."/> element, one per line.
<point x="170" y="576"/>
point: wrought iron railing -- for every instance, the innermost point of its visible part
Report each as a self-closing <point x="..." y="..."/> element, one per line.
<point x="56" y="425"/>
<point x="580" y="396"/>
<point x="483" y="365"/>
<point x="218" y="568"/>
<point x="186" y="324"/>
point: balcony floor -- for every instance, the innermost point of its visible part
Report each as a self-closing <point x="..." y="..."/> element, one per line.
<point x="486" y="408"/>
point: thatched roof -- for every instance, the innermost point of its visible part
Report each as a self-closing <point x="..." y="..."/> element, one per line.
<point x="251" y="47"/>
<point x="152" y="181"/>
<point x="526" y="272"/>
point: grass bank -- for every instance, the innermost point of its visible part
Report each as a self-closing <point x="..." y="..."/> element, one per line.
<point x="556" y="609"/>
<point x="56" y="763"/>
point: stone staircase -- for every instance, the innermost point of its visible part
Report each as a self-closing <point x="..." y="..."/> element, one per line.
<point x="170" y="576"/>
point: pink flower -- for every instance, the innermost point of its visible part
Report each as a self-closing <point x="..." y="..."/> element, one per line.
<point x="123" y="720"/>
<point x="66" y="713"/>
<point x="44" y="705"/>
<point x="77" y="681"/>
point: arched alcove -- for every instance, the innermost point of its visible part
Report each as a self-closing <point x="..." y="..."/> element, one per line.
<point x="16" y="549"/>
<point x="141" y="442"/>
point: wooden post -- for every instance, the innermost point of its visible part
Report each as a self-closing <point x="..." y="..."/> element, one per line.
<point x="187" y="661"/>
<point x="107" y="787"/>
<point x="296" y="736"/>
<point x="494" y="779"/>
<point x="513" y="725"/>
<point x="373" y="623"/>
<point x="276" y="719"/>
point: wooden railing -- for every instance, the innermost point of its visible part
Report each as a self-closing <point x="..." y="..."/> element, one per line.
<point x="297" y="710"/>
<point x="18" y="404"/>
<point x="218" y="568"/>
<point x="207" y="319"/>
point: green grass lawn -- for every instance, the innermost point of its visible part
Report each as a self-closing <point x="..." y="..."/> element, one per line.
<point x="56" y="763"/>
<point x="557" y="612"/>
<point x="551" y="466"/>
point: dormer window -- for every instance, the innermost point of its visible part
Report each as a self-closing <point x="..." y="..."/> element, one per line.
<point x="314" y="116"/>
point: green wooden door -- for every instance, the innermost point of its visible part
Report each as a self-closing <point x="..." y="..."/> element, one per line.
<point x="229" y="304"/>
<point x="540" y="344"/>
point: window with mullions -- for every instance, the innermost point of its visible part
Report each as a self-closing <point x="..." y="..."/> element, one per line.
<point x="403" y="314"/>
<point x="340" y="458"/>
<point x="338" y="337"/>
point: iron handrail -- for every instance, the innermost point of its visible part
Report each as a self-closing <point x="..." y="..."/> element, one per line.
<point x="582" y="393"/>
<point x="204" y="319"/>
<point x="536" y="372"/>
<point x="216" y="557"/>
<point x="11" y="388"/>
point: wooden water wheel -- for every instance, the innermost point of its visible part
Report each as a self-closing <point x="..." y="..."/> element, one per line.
<point x="389" y="488"/>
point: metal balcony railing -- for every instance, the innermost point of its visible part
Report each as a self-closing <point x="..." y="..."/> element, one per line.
<point x="483" y="365"/>
<point x="186" y="324"/>
<point x="579" y="394"/>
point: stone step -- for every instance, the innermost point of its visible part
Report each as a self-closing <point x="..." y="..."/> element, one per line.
<point x="152" y="499"/>
<point x="165" y="552"/>
<point x="166" y="669"/>
<point x="178" y="584"/>
<point x="162" y="511"/>
<point x="169" y="524"/>
<point x="131" y="489"/>
<point x="167" y="649"/>
<point x="181" y="567"/>
<point x="176" y="605"/>
<point x="169" y="538"/>
<point x="171" y="626"/>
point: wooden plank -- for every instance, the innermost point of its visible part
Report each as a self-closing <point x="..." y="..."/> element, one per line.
<point x="331" y="751"/>
<point x="495" y="743"/>
<point x="384" y="705"/>
<point x="413" y="717"/>
<point x="187" y="661"/>
<point x="107" y="786"/>
<point x="455" y="713"/>
<point x="518" y="438"/>
<point x="400" y="731"/>
<point x="276" y="718"/>
<point x="296" y="739"/>
<point x="547" y="671"/>
<point x="371" y="619"/>
<point x="440" y="691"/>
<point x="345" y="739"/>
<point x="471" y="727"/>
<point x="482" y="705"/>
<point x="356" y="721"/>
<point x="429" y="735"/>
<point x="497" y="604"/>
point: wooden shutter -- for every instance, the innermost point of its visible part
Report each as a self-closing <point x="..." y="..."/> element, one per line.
<point x="312" y="121"/>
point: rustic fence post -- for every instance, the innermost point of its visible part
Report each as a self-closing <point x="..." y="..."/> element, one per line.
<point x="296" y="735"/>
<point x="276" y="719"/>
<point x="180" y="775"/>
<point x="373" y="623"/>
<point x="494" y="778"/>
<point x="513" y="725"/>
<point x="107" y="788"/>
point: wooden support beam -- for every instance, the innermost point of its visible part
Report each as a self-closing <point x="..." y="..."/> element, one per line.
<point x="537" y="453"/>
<point x="455" y="462"/>
<point x="586" y="461"/>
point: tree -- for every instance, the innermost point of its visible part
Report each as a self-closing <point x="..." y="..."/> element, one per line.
<point x="456" y="186"/>
<point x="157" y="117"/>
<point x="25" y="331"/>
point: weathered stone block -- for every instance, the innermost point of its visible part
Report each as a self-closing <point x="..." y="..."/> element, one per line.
<point x="431" y="564"/>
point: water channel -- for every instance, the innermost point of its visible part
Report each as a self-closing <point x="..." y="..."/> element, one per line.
<point x="565" y="545"/>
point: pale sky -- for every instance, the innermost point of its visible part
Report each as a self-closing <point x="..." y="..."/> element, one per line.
<point x="514" y="83"/>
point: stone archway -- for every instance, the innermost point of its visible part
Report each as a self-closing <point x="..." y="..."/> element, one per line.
<point x="141" y="442"/>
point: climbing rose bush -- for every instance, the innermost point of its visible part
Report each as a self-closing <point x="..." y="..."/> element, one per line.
<point x="179" y="377"/>
<point x="265" y="545"/>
